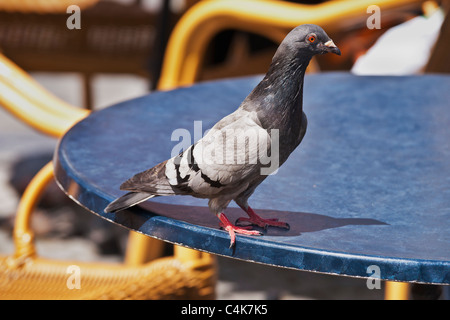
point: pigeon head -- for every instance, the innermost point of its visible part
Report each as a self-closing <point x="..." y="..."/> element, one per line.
<point x="304" y="42"/>
<point x="281" y="90"/>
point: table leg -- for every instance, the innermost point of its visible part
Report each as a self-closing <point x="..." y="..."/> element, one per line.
<point x="142" y="249"/>
<point x="396" y="290"/>
<point x="185" y="254"/>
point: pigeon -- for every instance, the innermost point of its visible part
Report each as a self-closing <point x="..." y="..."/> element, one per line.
<point x="244" y="147"/>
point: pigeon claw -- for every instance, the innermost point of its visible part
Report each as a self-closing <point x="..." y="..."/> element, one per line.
<point x="263" y="223"/>
<point x="232" y="229"/>
<point x="254" y="219"/>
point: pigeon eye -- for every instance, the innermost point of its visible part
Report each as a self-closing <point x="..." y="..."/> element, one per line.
<point x="312" y="38"/>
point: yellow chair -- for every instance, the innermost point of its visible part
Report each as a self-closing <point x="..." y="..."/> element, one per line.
<point x="188" y="274"/>
<point x="24" y="275"/>
<point x="272" y="19"/>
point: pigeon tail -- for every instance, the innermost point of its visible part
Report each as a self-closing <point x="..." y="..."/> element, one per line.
<point x="128" y="200"/>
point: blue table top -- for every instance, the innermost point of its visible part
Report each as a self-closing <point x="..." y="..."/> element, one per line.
<point x="369" y="184"/>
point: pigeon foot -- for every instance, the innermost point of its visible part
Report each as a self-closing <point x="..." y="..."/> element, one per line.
<point x="232" y="229"/>
<point x="254" y="219"/>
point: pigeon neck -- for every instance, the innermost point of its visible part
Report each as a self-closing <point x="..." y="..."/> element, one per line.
<point x="280" y="94"/>
<point x="286" y="80"/>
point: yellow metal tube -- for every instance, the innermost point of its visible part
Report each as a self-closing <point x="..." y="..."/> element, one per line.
<point x="142" y="249"/>
<point x="22" y="234"/>
<point x="188" y="41"/>
<point x="20" y="81"/>
<point x="39" y="119"/>
<point x="185" y="254"/>
<point x="396" y="290"/>
<point x="31" y="103"/>
<point x="43" y="6"/>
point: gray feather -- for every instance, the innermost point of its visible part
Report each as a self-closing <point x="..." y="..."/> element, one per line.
<point x="128" y="200"/>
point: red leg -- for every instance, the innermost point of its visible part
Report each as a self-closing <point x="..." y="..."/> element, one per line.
<point x="232" y="229"/>
<point x="253" y="218"/>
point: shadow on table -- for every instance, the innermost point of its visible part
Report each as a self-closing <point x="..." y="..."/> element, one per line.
<point x="299" y="221"/>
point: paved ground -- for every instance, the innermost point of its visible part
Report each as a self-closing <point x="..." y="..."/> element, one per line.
<point x="65" y="231"/>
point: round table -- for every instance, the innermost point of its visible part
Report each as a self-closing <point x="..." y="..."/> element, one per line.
<point x="366" y="194"/>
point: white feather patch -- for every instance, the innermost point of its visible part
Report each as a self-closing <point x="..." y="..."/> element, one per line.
<point x="184" y="164"/>
<point x="171" y="172"/>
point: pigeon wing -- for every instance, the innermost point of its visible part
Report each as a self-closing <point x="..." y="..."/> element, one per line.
<point x="226" y="158"/>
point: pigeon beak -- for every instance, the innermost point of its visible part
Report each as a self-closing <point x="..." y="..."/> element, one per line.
<point x="331" y="47"/>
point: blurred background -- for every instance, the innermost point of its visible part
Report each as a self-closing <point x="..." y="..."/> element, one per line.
<point x="118" y="55"/>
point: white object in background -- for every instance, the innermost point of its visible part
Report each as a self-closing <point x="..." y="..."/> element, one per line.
<point x="403" y="49"/>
